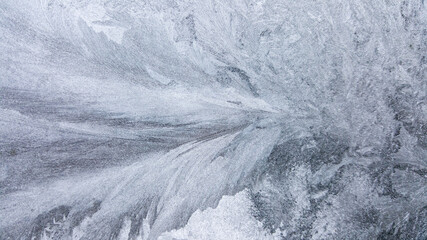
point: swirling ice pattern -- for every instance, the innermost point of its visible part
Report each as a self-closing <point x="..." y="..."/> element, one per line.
<point x="135" y="119"/>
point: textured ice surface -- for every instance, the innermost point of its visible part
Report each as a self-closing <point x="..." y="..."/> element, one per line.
<point x="140" y="119"/>
<point x="231" y="219"/>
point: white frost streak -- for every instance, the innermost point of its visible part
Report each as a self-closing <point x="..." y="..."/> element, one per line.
<point x="186" y="177"/>
<point x="96" y="17"/>
<point x="231" y="219"/>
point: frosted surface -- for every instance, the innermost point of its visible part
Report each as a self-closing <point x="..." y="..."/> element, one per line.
<point x="275" y="119"/>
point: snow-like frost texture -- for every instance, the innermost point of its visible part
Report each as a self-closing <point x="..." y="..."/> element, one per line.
<point x="231" y="219"/>
<point x="131" y="119"/>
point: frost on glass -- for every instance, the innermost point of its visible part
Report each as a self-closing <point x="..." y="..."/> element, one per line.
<point x="136" y="119"/>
